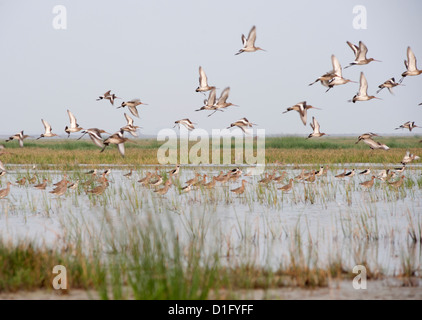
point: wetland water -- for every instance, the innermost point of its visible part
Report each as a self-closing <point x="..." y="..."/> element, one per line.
<point x="328" y="220"/>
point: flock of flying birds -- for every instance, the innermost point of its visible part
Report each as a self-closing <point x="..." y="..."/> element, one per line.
<point x="330" y="79"/>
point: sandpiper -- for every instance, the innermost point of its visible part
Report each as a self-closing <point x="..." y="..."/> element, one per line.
<point x="132" y="106"/>
<point x="203" y="82"/>
<point x="249" y="43"/>
<point x="302" y="109"/>
<point x="47" y="132"/>
<point x="74" y="126"/>
<point x="18" y="136"/>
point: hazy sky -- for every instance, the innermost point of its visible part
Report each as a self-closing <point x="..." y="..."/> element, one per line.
<point x="152" y="50"/>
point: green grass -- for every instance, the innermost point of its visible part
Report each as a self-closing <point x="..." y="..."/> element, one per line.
<point x="68" y="153"/>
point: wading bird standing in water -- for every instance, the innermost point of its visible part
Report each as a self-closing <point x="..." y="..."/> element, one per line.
<point x="249" y="43"/>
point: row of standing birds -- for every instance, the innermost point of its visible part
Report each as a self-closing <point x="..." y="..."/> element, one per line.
<point x="156" y="179"/>
<point x="330" y="79"/>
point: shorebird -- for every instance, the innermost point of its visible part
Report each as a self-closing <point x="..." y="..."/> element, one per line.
<point x="5" y="192"/>
<point x="93" y="172"/>
<point x="109" y="97"/>
<point x="408" y="125"/>
<point x="287" y="187"/>
<point x="158" y="180"/>
<point x="62" y="182"/>
<point x="132" y="106"/>
<point x="410" y="64"/>
<point x="242" y="123"/>
<point x="95" y="135"/>
<point x="144" y="181"/>
<point x="398" y="183"/>
<point x="240" y="189"/>
<point x="311" y="177"/>
<point x="209" y="103"/>
<point x="360" y="54"/>
<point x="130" y="127"/>
<point x="200" y="183"/>
<point x="162" y="191"/>
<point x="21" y="181"/>
<point x="325" y="78"/>
<point x="42" y="185"/>
<point x="389" y="84"/>
<point x="220" y="176"/>
<point x="320" y="172"/>
<point x="368" y="184"/>
<point x="338" y="79"/>
<point x="2" y="169"/>
<point x="366" y="136"/>
<point x="74" y="126"/>
<point x="129" y="174"/>
<point x="98" y="189"/>
<point x="211" y="184"/>
<point x="302" y="109"/>
<point x="117" y="139"/>
<point x="175" y="171"/>
<point x="365" y="172"/>
<point x="107" y="172"/>
<point x="186" y="123"/>
<point x="315" y="126"/>
<point x="400" y="170"/>
<point x="350" y="173"/>
<point x="60" y="190"/>
<point x="362" y="94"/>
<point x="193" y="180"/>
<point x="280" y="178"/>
<point x="409" y="157"/>
<point x="74" y="185"/>
<point x="249" y="43"/>
<point x="222" y="102"/>
<point x="375" y="144"/>
<point x="19" y="136"/>
<point x="266" y="180"/>
<point x="383" y="174"/>
<point x="301" y="175"/>
<point x="47" y="132"/>
<point x="203" y="83"/>
<point x="341" y="175"/>
<point x="187" y="188"/>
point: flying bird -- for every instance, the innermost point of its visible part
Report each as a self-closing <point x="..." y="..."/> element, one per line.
<point x="362" y="94"/>
<point x="412" y="69"/>
<point x="366" y="136"/>
<point x="74" y="126"/>
<point x="209" y="103"/>
<point x="338" y="79"/>
<point x="18" y="136"/>
<point x="132" y="106"/>
<point x="95" y="135"/>
<point x="186" y="123"/>
<point x="302" y="108"/>
<point x="374" y="144"/>
<point x="109" y="97"/>
<point x="389" y="84"/>
<point x="130" y="127"/>
<point x="203" y="82"/>
<point x="408" y="125"/>
<point x="117" y="139"/>
<point x="360" y="54"/>
<point x="242" y="123"/>
<point x="249" y="43"/>
<point x="47" y="132"/>
<point x="222" y="102"/>
<point x="315" y="126"/>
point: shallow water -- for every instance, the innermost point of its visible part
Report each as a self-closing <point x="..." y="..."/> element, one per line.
<point x="325" y="220"/>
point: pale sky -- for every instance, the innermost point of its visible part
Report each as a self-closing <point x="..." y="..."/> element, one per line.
<point x="152" y="50"/>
